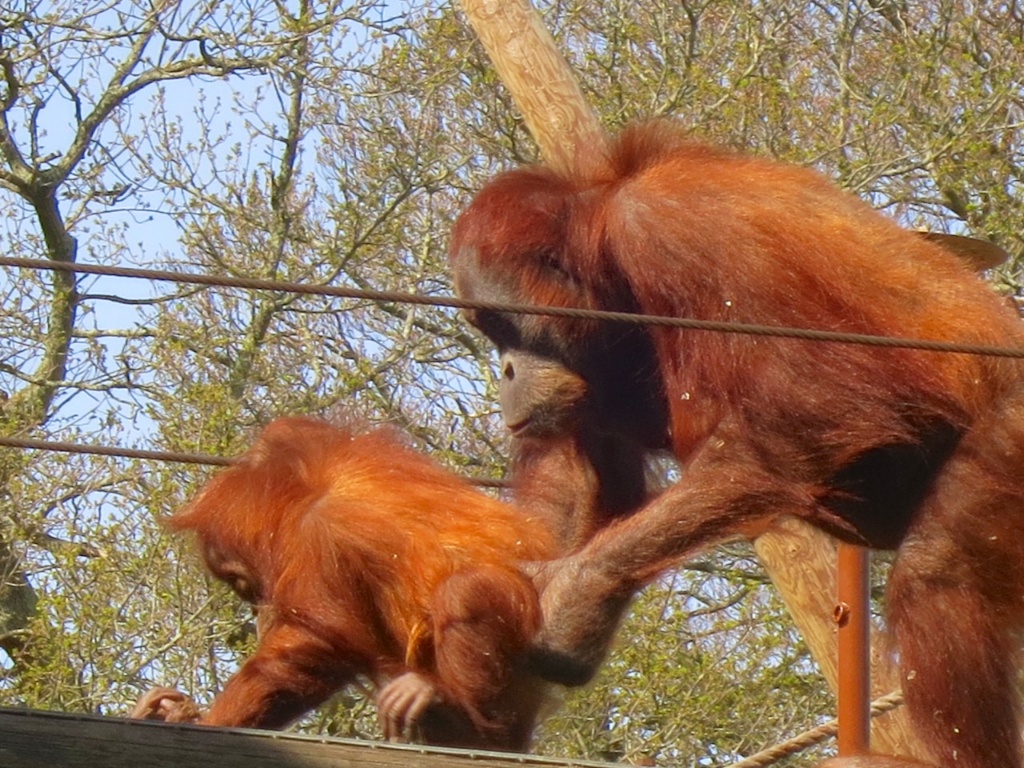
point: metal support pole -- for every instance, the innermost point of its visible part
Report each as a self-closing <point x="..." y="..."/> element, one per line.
<point x="853" y="616"/>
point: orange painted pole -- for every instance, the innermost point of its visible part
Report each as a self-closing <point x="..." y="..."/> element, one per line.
<point x="853" y="616"/>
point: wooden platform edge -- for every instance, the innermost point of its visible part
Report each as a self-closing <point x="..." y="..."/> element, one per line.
<point x="35" y="739"/>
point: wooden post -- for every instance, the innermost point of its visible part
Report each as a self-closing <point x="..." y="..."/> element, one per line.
<point x="541" y="82"/>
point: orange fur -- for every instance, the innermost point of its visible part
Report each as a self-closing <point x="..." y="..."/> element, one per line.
<point x="892" y="448"/>
<point x="361" y="556"/>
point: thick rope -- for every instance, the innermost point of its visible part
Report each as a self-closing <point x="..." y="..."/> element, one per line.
<point x="814" y="736"/>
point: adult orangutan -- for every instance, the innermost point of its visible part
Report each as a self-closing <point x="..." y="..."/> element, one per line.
<point x="363" y="557"/>
<point x="893" y="448"/>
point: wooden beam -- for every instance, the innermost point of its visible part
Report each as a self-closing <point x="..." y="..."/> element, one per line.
<point x="32" y="739"/>
<point x="541" y="82"/>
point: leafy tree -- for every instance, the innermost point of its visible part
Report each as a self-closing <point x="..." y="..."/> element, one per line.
<point x="333" y="144"/>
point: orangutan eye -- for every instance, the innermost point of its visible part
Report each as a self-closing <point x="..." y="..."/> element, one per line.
<point x="237" y="576"/>
<point x="245" y="588"/>
<point x="556" y="269"/>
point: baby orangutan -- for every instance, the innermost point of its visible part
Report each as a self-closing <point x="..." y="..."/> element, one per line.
<point x="363" y="557"/>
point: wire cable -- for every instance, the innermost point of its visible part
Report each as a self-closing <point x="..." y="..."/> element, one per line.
<point x="182" y="457"/>
<point x="252" y="283"/>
